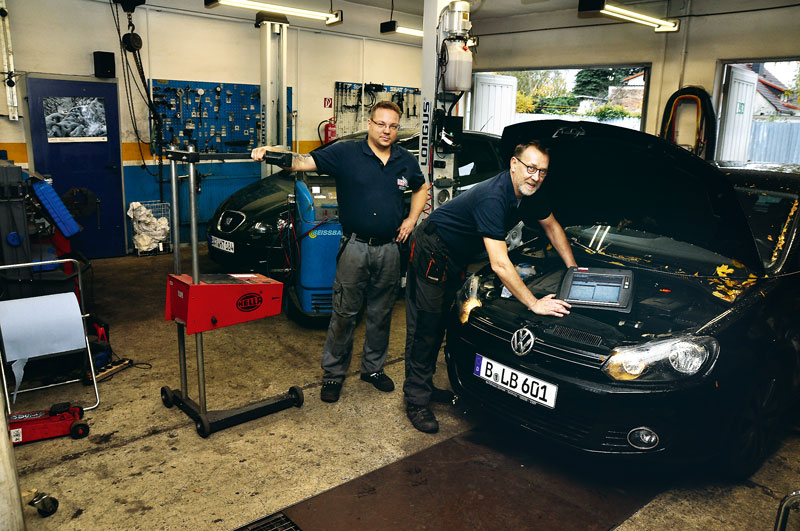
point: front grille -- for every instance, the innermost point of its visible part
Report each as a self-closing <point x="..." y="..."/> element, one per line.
<point x="230" y="220"/>
<point x="563" y="425"/>
<point x="579" y="336"/>
<point x="499" y="340"/>
<point x="616" y="440"/>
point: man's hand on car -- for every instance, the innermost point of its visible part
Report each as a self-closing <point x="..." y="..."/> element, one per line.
<point x="549" y="305"/>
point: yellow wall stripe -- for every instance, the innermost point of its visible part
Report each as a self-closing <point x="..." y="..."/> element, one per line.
<point x="130" y="151"/>
<point x="17" y="151"/>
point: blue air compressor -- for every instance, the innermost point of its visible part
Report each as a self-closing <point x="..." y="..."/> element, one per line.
<point x="317" y="234"/>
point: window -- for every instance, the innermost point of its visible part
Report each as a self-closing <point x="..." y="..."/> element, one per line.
<point x="759" y="113"/>
<point x="614" y="95"/>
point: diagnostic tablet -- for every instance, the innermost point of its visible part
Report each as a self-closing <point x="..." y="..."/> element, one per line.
<point x="594" y="287"/>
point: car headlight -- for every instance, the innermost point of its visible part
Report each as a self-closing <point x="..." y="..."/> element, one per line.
<point x="260" y="227"/>
<point x="468" y="298"/>
<point x="661" y="360"/>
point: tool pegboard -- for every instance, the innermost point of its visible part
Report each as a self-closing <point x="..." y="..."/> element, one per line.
<point x="214" y="117"/>
<point x="352" y="102"/>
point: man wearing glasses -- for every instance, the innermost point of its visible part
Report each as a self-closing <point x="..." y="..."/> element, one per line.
<point x="450" y="238"/>
<point x="371" y="179"/>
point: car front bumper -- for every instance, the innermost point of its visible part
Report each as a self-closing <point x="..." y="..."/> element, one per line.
<point x="591" y="412"/>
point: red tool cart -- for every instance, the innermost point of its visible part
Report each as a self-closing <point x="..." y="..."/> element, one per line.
<point x="199" y="303"/>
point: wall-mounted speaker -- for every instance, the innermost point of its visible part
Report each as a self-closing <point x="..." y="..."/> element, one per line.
<point x="104" y="64"/>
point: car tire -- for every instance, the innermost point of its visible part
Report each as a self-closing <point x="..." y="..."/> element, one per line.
<point x="754" y="424"/>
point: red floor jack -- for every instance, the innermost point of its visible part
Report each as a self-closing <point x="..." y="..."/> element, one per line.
<point x="200" y="303"/>
<point x="61" y="419"/>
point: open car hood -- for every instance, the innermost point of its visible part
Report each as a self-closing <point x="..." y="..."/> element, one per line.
<point x="620" y="177"/>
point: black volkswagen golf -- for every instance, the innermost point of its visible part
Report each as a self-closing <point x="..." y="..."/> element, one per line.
<point x="684" y="334"/>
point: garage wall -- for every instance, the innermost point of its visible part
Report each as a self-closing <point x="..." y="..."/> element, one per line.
<point x="183" y="40"/>
<point x="193" y="43"/>
<point x="693" y="53"/>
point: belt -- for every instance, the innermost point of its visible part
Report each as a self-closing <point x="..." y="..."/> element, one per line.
<point x="370" y="240"/>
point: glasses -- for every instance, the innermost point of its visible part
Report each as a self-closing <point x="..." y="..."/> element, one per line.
<point x="533" y="170"/>
<point x="384" y="125"/>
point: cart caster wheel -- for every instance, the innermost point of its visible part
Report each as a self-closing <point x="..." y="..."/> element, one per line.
<point x="79" y="429"/>
<point x="202" y="426"/>
<point x="296" y="393"/>
<point x="45" y="505"/>
<point x="166" y="397"/>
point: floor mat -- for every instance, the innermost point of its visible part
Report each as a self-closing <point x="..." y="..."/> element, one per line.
<point x="484" y="479"/>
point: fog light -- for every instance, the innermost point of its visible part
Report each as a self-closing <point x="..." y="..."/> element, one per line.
<point x="643" y="438"/>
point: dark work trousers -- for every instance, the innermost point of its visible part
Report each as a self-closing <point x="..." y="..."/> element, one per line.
<point x="362" y="271"/>
<point x="427" y="304"/>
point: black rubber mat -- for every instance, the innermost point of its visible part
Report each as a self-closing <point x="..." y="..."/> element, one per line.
<point x="493" y="478"/>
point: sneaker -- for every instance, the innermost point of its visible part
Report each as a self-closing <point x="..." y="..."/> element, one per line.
<point x="422" y="418"/>
<point x="442" y="396"/>
<point x="380" y="381"/>
<point x="331" y="389"/>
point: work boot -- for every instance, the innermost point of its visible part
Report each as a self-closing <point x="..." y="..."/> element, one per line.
<point x="331" y="389"/>
<point x="380" y="381"/>
<point x="442" y="396"/>
<point x="422" y="418"/>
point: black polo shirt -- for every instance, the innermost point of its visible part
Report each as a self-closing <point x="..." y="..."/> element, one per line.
<point x="488" y="209"/>
<point x="370" y="194"/>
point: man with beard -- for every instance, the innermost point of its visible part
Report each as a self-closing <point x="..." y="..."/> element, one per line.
<point x="445" y="242"/>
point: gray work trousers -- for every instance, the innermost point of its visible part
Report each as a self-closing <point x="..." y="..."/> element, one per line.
<point x="363" y="271"/>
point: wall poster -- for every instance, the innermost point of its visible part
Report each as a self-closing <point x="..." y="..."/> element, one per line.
<point x="70" y="119"/>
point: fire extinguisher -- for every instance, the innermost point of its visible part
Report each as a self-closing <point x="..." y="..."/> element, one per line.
<point x="330" y="130"/>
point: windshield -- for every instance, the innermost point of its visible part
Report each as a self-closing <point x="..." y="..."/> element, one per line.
<point x="770" y="215"/>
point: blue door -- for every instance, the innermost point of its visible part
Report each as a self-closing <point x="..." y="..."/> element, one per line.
<point x="75" y="140"/>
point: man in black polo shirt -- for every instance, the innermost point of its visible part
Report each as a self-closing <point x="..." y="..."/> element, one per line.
<point x="443" y="244"/>
<point x="371" y="178"/>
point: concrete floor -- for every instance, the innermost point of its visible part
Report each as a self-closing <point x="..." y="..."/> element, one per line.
<point x="144" y="467"/>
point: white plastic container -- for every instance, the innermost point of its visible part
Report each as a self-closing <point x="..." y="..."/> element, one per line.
<point x="458" y="75"/>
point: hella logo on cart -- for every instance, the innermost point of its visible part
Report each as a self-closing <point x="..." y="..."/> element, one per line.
<point x="249" y="302"/>
<point x="324" y="232"/>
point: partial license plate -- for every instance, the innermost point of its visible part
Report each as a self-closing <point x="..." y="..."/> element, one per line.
<point x="517" y="383"/>
<point x="222" y="245"/>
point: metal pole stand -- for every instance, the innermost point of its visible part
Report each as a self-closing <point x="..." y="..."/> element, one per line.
<point x="196" y="306"/>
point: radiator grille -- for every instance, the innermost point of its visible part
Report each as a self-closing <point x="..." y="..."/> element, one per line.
<point x="579" y="336"/>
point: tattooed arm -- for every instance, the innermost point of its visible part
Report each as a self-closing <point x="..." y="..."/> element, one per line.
<point x="299" y="162"/>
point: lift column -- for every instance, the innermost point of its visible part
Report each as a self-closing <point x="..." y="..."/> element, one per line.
<point x="274" y="31"/>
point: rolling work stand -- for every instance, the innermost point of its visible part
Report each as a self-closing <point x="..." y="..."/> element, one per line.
<point x="206" y="302"/>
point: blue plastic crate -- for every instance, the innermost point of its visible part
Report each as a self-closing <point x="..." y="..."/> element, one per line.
<point x="55" y="207"/>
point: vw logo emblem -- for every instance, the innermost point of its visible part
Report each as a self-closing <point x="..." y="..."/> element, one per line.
<point x="522" y="341"/>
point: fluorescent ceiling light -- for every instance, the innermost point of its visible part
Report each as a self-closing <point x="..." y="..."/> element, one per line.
<point x="391" y="26"/>
<point x="409" y="31"/>
<point x="626" y="14"/>
<point x="329" y="18"/>
<point x="657" y="23"/>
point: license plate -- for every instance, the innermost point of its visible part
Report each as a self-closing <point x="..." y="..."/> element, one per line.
<point x="517" y="383"/>
<point x="222" y="245"/>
